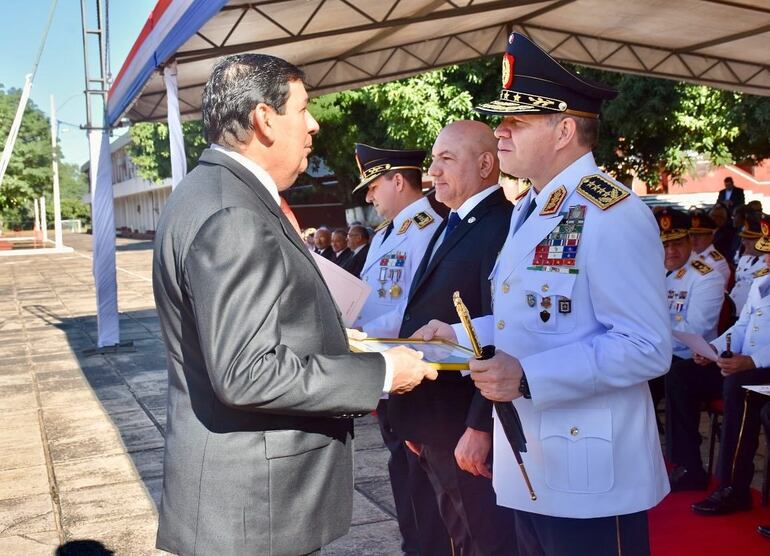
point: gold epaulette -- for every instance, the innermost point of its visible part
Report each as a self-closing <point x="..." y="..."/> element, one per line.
<point x="601" y="192"/>
<point x="761" y="272"/>
<point x="701" y="267"/>
<point x="716" y="255"/>
<point x="522" y="194"/>
<point x="422" y="219"/>
<point x="382" y="225"/>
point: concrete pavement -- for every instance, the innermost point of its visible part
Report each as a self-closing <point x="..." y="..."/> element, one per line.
<point x="81" y="438"/>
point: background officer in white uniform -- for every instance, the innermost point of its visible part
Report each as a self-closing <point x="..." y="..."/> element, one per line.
<point x="750" y="265"/>
<point x="393" y="182"/>
<point x="695" y="297"/>
<point x="749" y="364"/>
<point x="580" y="323"/>
<point x="702" y="228"/>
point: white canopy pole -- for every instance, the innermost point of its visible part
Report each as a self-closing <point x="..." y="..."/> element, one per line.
<point x="10" y="141"/>
<point x="103" y="225"/>
<point x="58" y="242"/>
<point x="175" y="135"/>
<point x="43" y="220"/>
<point x="36" y="227"/>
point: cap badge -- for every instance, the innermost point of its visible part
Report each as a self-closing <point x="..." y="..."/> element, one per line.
<point x="695" y="222"/>
<point x="765" y="229"/>
<point x="665" y="222"/>
<point x="507" y="70"/>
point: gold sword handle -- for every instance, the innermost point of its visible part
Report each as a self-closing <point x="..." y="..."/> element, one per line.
<point x="465" y="319"/>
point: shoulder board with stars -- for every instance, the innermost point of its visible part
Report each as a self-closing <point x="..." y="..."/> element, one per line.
<point x="716" y="255"/>
<point x="522" y="194"/>
<point x="553" y="204"/>
<point x="601" y="192"/>
<point x="681" y="272"/>
<point x="382" y="225"/>
<point x="701" y="267"/>
<point x="761" y="272"/>
<point x="422" y="219"/>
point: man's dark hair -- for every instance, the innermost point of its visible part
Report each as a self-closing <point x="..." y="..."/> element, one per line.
<point x="342" y="231"/>
<point x="360" y="229"/>
<point x="236" y="85"/>
<point x="411" y="177"/>
<point x="729" y="180"/>
<point x="586" y="129"/>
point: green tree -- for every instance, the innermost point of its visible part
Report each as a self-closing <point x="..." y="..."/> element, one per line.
<point x="151" y="153"/>
<point x="29" y="172"/>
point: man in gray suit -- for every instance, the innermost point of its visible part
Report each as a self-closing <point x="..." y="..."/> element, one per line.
<point x="262" y="386"/>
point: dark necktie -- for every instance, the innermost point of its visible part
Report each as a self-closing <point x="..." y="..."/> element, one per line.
<point x="530" y="210"/>
<point x="387" y="232"/>
<point x="451" y="223"/>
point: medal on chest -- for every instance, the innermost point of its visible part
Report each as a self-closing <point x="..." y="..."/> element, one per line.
<point x="390" y="271"/>
<point x="558" y="251"/>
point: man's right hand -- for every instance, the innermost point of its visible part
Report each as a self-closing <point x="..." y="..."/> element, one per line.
<point x="435" y="329"/>
<point x="408" y="369"/>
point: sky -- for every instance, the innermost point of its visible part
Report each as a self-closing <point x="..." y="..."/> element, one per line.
<point x="61" y="70"/>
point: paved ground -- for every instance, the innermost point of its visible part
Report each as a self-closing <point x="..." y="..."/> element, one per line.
<point x="81" y="438"/>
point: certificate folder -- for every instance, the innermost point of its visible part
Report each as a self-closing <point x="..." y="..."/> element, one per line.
<point x="442" y="355"/>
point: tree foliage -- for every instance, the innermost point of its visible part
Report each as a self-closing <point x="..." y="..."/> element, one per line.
<point x="150" y="151"/>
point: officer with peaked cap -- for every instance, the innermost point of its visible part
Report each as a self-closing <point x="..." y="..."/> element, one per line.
<point x="748" y="364"/>
<point x="702" y="228"/>
<point x="393" y="182"/>
<point x="750" y="265"/>
<point x="579" y="322"/>
<point x="695" y="297"/>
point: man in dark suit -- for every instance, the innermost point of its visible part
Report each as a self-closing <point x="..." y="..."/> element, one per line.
<point x="448" y="423"/>
<point x="358" y="243"/>
<point x="731" y="196"/>
<point x="340" y="246"/>
<point x="323" y="243"/>
<point x="258" y="455"/>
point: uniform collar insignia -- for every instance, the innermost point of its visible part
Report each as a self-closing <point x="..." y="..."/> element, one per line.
<point x="761" y="272"/>
<point x="383" y="224"/>
<point x="522" y="194"/>
<point x="682" y="271"/>
<point x="405" y="226"/>
<point x="553" y="204"/>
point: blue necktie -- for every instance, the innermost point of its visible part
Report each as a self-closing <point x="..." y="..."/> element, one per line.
<point x="387" y="233"/>
<point x="452" y="222"/>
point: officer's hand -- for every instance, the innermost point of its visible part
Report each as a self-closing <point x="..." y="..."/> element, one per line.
<point x="735" y="364"/>
<point x="703" y="361"/>
<point x="472" y="452"/>
<point x="497" y="379"/>
<point x="435" y="329"/>
<point x="408" y="369"/>
<point x="414" y="447"/>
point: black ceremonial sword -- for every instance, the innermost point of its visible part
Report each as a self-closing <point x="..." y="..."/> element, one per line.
<point x="506" y="412"/>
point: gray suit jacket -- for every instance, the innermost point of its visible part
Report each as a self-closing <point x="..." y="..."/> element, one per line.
<point x="262" y="385"/>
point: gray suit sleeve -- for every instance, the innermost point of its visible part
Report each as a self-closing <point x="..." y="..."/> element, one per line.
<point x="245" y="318"/>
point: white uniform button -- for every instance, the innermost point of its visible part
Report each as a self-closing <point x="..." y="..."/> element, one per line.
<point x="500" y="324"/>
<point x="678" y="318"/>
<point x="574" y="431"/>
<point x="544" y="288"/>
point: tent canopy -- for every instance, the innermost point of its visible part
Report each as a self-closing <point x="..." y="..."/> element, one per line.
<point x="343" y="44"/>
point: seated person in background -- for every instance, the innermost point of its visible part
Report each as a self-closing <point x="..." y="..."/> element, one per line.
<point x="731" y="196"/>
<point x="358" y="243"/>
<point x="308" y="236"/>
<point x="702" y="228"/>
<point x="750" y="265"/>
<point x="323" y="243"/>
<point x="748" y="362"/>
<point x="695" y="290"/>
<point x="340" y="246"/>
<point x="724" y="236"/>
<point x="739" y="221"/>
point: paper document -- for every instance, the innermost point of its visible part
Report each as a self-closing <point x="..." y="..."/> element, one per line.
<point x="763" y="389"/>
<point x="696" y="343"/>
<point x="348" y="292"/>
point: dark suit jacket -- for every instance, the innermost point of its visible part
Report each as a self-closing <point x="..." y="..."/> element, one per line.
<point x="261" y="382"/>
<point x="344" y="255"/>
<point x="737" y="198"/>
<point x="438" y="413"/>
<point x="327" y="253"/>
<point x="355" y="264"/>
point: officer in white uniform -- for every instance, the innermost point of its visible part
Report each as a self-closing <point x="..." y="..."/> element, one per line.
<point x="702" y="228"/>
<point x="695" y="296"/>
<point x="579" y="321"/>
<point x="750" y="265"/>
<point x="748" y="363"/>
<point x="393" y="182"/>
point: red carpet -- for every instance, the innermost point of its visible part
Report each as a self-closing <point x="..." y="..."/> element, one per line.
<point x="676" y="531"/>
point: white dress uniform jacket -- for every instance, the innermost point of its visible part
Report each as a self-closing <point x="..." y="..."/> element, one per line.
<point x="391" y="265"/>
<point x="593" y="446"/>
<point x="695" y="297"/>
<point x="715" y="260"/>
<point x="751" y="334"/>
<point x="749" y="267"/>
